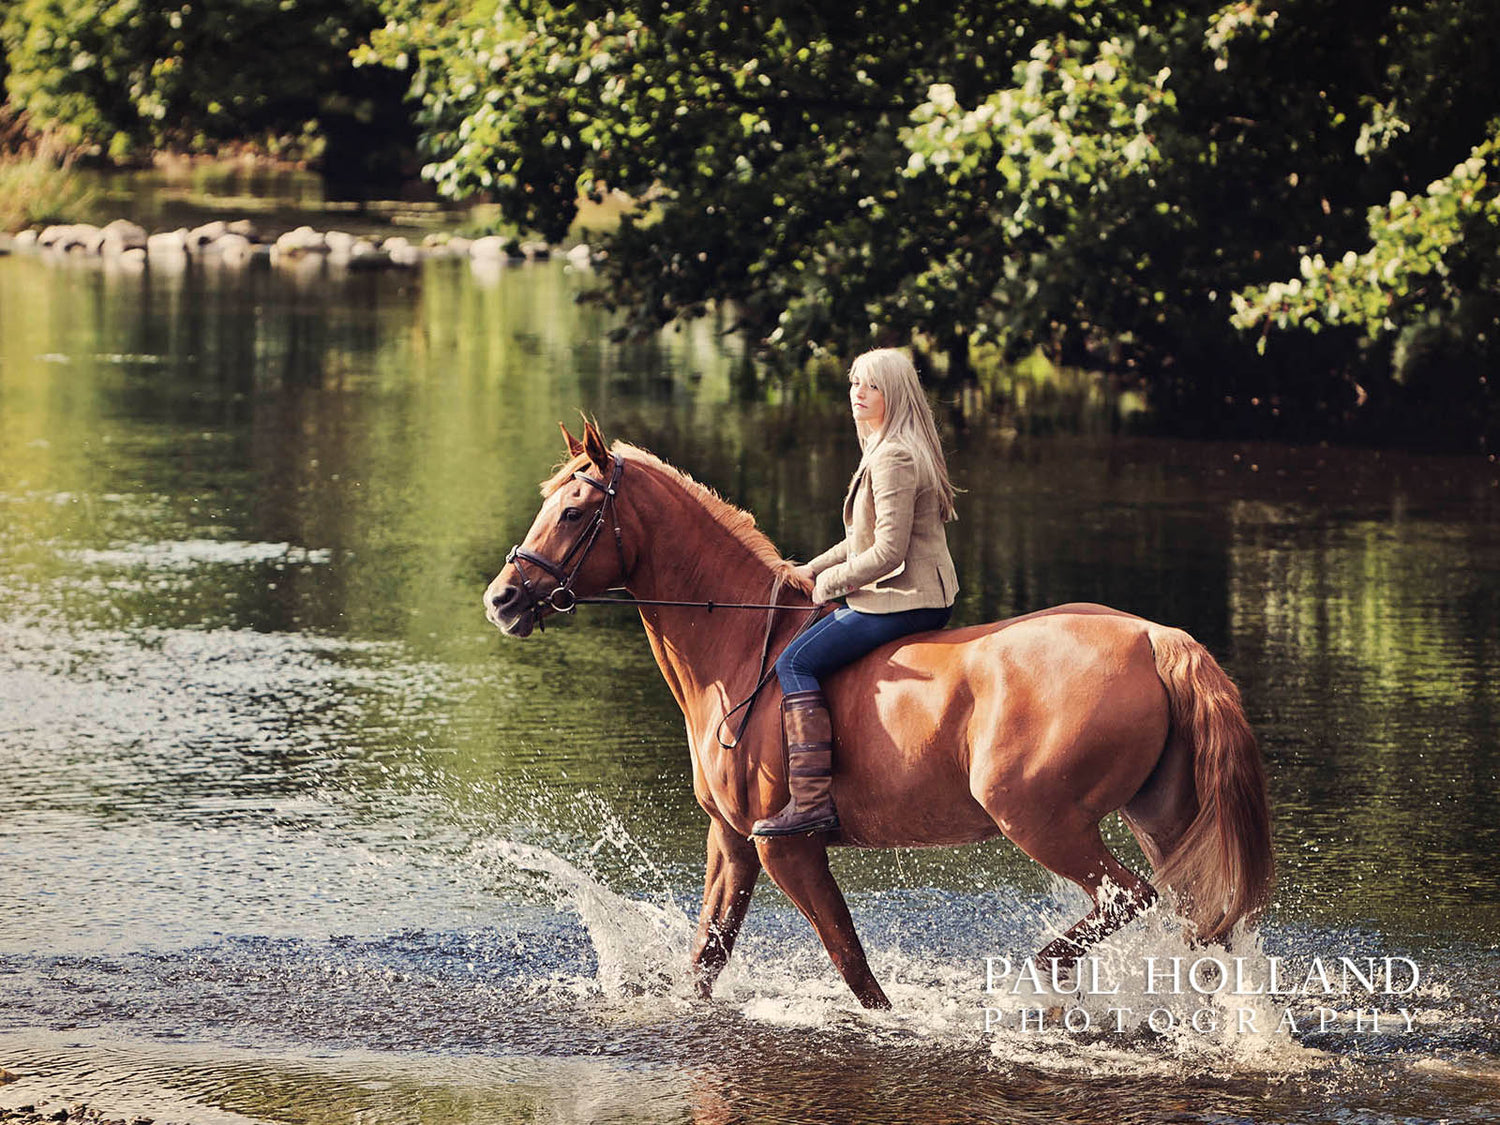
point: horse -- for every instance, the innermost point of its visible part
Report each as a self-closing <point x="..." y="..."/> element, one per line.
<point x="1035" y="727"/>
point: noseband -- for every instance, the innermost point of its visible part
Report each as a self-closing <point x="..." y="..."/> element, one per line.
<point x="561" y="599"/>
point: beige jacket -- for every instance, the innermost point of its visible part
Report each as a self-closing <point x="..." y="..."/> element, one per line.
<point x="895" y="553"/>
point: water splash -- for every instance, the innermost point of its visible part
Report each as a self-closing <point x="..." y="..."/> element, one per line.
<point x="641" y="948"/>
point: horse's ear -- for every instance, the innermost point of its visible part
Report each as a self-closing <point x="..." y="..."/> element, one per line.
<point x="593" y="446"/>
<point x="575" y="447"/>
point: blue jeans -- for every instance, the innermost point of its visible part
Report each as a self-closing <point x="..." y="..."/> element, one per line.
<point x="845" y="635"/>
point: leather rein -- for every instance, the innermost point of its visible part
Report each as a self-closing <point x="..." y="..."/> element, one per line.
<point x="561" y="598"/>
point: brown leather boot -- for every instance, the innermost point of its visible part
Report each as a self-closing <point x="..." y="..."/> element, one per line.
<point x="807" y="734"/>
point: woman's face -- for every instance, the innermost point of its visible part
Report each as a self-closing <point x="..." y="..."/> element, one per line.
<point x="866" y="403"/>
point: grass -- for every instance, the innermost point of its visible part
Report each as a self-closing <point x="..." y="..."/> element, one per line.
<point x="37" y="182"/>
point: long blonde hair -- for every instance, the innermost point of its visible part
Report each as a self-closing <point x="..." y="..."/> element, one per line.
<point x="908" y="420"/>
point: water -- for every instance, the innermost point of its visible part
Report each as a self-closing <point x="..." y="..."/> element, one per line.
<point x="291" y="834"/>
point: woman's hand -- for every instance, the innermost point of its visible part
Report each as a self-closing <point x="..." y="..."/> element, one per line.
<point x="804" y="573"/>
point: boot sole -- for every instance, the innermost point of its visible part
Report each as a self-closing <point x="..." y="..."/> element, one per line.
<point x="830" y="825"/>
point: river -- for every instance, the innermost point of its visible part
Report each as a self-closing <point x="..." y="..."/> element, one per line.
<point x="291" y="834"/>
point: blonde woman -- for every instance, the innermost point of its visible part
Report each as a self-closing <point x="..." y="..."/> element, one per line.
<point x="892" y="568"/>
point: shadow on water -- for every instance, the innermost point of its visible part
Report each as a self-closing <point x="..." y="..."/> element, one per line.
<point x="291" y="834"/>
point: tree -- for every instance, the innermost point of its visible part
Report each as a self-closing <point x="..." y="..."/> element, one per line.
<point x="129" y="76"/>
<point x="766" y="141"/>
<point x="1095" y="179"/>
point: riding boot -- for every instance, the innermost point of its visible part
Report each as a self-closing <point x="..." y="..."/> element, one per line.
<point x="807" y="734"/>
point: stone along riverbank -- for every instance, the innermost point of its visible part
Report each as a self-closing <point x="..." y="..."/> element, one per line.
<point x="242" y="242"/>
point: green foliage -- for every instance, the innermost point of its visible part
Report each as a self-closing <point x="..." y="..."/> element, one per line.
<point x="128" y="75"/>
<point x="1057" y="159"/>
<point x="1429" y="253"/>
<point x="767" y="140"/>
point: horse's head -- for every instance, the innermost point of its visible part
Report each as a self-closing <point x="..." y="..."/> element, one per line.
<point x="574" y="547"/>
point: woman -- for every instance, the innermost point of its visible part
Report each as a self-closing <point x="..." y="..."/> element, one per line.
<point x="892" y="568"/>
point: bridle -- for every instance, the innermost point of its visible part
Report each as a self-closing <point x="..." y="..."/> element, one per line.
<point x="561" y="598"/>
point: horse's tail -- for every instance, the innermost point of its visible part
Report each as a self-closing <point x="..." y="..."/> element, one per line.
<point x="1221" y="868"/>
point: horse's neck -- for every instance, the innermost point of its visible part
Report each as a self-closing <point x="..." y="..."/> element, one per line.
<point x="687" y="555"/>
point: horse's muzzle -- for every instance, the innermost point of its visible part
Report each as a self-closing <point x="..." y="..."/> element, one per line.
<point x="508" y="610"/>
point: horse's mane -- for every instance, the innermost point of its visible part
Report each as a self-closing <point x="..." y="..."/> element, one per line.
<point x="739" y="523"/>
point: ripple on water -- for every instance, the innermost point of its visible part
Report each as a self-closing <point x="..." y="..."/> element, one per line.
<point x="185" y="554"/>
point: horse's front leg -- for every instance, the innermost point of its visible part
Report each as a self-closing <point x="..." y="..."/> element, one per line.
<point x="728" y="882"/>
<point x="799" y="865"/>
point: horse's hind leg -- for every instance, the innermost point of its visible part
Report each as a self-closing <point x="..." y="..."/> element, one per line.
<point x="728" y="882"/>
<point x="1078" y="853"/>
<point x="799" y="866"/>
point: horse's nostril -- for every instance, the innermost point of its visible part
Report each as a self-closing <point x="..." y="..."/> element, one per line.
<point x="504" y="597"/>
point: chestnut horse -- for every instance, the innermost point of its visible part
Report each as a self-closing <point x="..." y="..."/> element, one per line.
<point x="1034" y="728"/>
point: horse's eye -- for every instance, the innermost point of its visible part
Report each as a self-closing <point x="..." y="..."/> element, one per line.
<point x="571" y="515"/>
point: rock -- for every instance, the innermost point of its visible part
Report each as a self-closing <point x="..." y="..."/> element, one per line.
<point x="456" y="246"/>
<point x="135" y="257"/>
<point x="26" y="239"/>
<point x="168" y="242"/>
<point x="122" y="235"/>
<point x="199" y="237"/>
<point x="362" y="248"/>
<point x="303" y="240"/>
<point x="87" y="239"/>
<point x="72" y="238"/>
<point x="489" y="248"/>
<point x="535" y="251"/>
<point x="232" y="249"/>
<point x="245" y="228"/>
<point x="339" y="242"/>
<point x="581" y="255"/>
<point x="404" y="255"/>
<point x="395" y="242"/>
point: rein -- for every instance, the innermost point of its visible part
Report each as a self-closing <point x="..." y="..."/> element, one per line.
<point x="561" y="598"/>
<point x="766" y="669"/>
